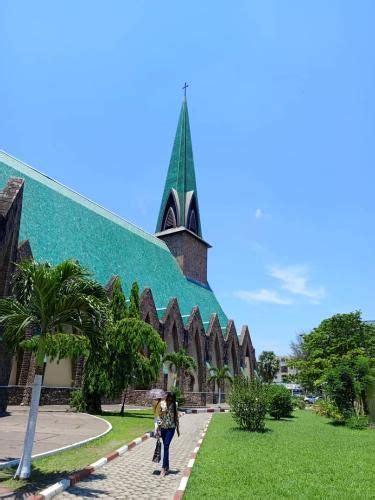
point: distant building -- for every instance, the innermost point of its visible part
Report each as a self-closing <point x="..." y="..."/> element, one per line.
<point x="285" y="374"/>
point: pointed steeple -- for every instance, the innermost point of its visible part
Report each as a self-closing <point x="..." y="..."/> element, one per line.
<point x="179" y="206"/>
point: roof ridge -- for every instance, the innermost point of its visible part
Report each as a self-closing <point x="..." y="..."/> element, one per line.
<point x="82" y="199"/>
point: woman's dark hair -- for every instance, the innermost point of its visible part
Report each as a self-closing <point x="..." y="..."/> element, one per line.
<point x="172" y="396"/>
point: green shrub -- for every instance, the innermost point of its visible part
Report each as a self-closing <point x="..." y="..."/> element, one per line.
<point x="326" y="408"/>
<point x="77" y="401"/>
<point x="280" y="403"/>
<point x="179" y="395"/>
<point x="248" y="401"/>
<point x="357" y="422"/>
<point x="298" y="402"/>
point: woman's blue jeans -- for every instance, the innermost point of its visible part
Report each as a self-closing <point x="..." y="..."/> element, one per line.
<point x="167" y="436"/>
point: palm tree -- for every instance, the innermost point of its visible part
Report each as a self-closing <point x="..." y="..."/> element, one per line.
<point x="54" y="301"/>
<point x="219" y="375"/>
<point x="180" y="360"/>
<point x="268" y="366"/>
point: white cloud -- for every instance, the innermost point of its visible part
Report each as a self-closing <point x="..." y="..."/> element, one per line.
<point x="259" y="213"/>
<point x="294" y="279"/>
<point x="263" y="295"/>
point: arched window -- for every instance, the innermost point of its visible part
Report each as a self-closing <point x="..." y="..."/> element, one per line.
<point x="170" y="214"/>
<point x="192" y="218"/>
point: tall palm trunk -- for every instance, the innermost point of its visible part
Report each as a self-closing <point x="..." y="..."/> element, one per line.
<point x="24" y="467"/>
<point x="219" y="393"/>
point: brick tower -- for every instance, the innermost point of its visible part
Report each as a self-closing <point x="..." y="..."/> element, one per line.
<point x="179" y="223"/>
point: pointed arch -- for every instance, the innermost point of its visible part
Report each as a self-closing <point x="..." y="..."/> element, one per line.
<point x="192" y="221"/>
<point x="232" y="354"/>
<point x="171" y="215"/>
<point x="246" y="348"/>
<point x="148" y="309"/>
<point x="196" y="347"/>
<point x="173" y="328"/>
<point x="215" y="342"/>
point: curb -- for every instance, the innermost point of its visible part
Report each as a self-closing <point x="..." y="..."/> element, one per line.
<point x="12" y="463"/>
<point x="186" y="474"/>
<point x="206" y="410"/>
<point x="64" y="484"/>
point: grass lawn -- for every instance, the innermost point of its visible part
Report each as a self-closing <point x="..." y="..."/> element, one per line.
<point x="301" y="457"/>
<point x="50" y="469"/>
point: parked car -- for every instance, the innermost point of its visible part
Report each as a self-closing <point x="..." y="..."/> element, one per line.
<point x="311" y="399"/>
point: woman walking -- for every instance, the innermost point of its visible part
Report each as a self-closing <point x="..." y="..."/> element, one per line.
<point x="168" y="425"/>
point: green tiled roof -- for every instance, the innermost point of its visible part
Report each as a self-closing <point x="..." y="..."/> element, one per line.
<point x="62" y="224"/>
<point x="181" y="171"/>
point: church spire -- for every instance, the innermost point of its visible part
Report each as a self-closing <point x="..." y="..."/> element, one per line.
<point x="179" y="206"/>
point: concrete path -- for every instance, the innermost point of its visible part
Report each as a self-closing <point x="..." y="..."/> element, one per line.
<point x="54" y="430"/>
<point x="134" y="476"/>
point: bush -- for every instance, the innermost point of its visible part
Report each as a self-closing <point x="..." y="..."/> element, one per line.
<point x="77" y="402"/>
<point x="326" y="408"/>
<point x="248" y="402"/>
<point x="357" y="422"/>
<point x="298" y="402"/>
<point x="279" y="402"/>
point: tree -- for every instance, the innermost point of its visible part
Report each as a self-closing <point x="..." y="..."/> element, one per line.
<point x="53" y="300"/>
<point x="118" y="304"/>
<point x="180" y="360"/>
<point x="136" y="353"/>
<point x="343" y="337"/>
<point x="268" y="366"/>
<point x="134" y="302"/>
<point x="219" y="375"/>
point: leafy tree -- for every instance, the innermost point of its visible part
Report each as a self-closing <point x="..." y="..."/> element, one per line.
<point x="118" y="306"/>
<point x="180" y="361"/>
<point x="134" y="302"/>
<point x="343" y="337"/>
<point x="219" y="375"/>
<point x="138" y="354"/>
<point x="268" y="366"/>
<point x="340" y="386"/>
<point x="53" y="300"/>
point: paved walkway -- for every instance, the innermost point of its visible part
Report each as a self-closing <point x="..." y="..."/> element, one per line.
<point x="134" y="476"/>
<point x="54" y="430"/>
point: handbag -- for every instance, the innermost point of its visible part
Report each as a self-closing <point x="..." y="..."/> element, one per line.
<point x="157" y="453"/>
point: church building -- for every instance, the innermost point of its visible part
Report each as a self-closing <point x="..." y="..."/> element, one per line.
<point x="42" y="219"/>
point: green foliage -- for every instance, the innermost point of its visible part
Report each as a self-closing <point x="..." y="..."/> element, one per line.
<point x="341" y="388"/>
<point x="51" y="299"/>
<point x="298" y="402"/>
<point x="179" y="395"/>
<point x="134" y="311"/>
<point x="279" y="402"/>
<point x="77" y="401"/>
<point x="326" y="408"/>
<point x="268" y="366"/>
<point x="358" y="422"/>
<point x="219" y="375"/>
<point x="118" y="304"/>
<point x="180" y="360"/>
<point x="248" y="402"/>
<point x="58" y="345"/>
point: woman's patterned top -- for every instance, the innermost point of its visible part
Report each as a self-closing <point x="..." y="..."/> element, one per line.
<point x="167" y="418"/>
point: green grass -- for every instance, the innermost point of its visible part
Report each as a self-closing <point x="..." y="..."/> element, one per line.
<point x="50" y="469"/>
<point x="301" y="457"/>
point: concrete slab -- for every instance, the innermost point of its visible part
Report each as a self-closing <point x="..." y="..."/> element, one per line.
<point x="54" y="430"/>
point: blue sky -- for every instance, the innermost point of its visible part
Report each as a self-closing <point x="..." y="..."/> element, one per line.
<point x="282" y="113"/>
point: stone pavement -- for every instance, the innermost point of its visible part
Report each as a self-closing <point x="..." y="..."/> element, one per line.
<point x="54" y="430"/>
<point x="135" y="476"/>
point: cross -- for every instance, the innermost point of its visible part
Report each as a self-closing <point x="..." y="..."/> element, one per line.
<point x="184" y="88"/>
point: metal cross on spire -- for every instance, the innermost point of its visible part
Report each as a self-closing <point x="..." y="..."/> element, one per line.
<point x="184" y="88"/>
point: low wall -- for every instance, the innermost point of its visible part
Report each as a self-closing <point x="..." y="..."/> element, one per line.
<point x="49" y="395"/>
